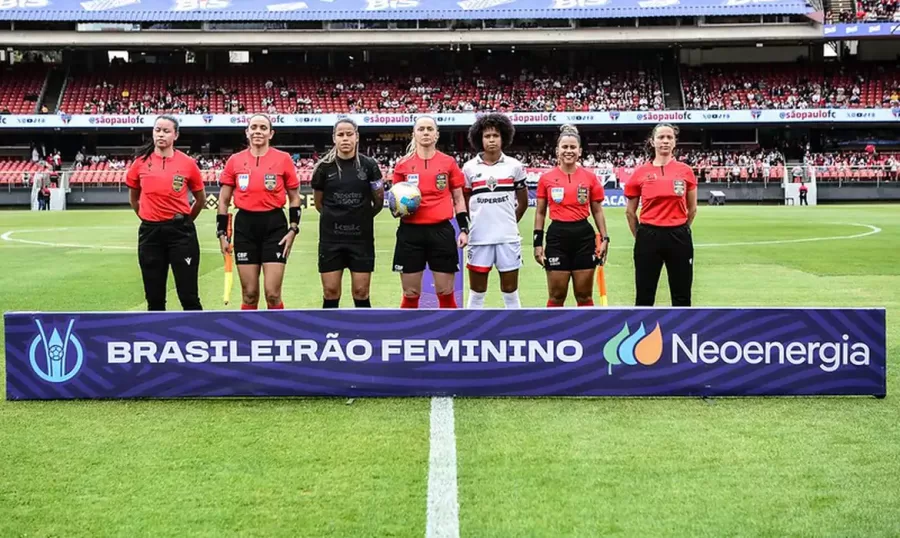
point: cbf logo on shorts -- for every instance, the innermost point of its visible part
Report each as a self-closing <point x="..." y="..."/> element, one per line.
<point x="557" y="194"/>
<point x="679" y="187"/>
<point x="57" y="359"/>
<point x="441" y="181"/>
<point x="270" y="182"/>
<point x="177" y="183"/>
<point x="243" y="181"/>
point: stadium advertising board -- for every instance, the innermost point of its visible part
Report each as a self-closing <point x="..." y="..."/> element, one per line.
<point x="862" y="29"/>
<point x="394" y="352"/>
<point x="66" y="121"/>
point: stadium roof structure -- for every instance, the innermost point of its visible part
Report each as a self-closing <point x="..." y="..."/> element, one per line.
<point x="330" y="10"/>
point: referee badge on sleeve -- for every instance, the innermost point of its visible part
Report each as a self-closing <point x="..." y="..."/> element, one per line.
<point x="441" y="181"/>
<point x="582" y="194"/>
<point x="270" y="181"/>
<point x="243" y="181"/>
<point x="557" y="194"/>
<point x="679" y="187"/>
<point x="177" y="183"/>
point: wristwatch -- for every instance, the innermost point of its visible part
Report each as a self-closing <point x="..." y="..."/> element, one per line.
<point x="294" y="228"/>
<point x="606" y="239"/>
<point x="221" y="233"/>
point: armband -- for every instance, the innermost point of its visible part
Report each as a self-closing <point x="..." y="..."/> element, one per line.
<point x="462" y="219"/>
<point x="221" y="225"/>
<point x="294" y="215"/>
<point x="538" y="238"/>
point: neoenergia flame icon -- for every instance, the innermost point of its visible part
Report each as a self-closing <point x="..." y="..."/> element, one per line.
<point x="631" y="349"/>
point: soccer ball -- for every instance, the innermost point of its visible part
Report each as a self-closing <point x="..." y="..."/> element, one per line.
<point x="404" y="199"/>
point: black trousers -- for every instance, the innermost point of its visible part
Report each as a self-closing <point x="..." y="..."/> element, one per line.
<point x="656" y="246"/>
<point x="169" y="244"/>
<point x="803" y="200"/>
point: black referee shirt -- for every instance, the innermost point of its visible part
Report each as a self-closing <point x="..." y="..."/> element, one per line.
<point x="347" y="199"/>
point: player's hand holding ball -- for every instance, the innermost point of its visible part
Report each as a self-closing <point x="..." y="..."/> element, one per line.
<point x="404" y="199"/>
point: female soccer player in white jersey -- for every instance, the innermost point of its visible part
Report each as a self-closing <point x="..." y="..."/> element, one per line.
<point x="496" y="198"/>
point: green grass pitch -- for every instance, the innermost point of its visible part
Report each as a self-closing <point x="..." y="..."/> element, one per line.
<point x="526" y="467"/>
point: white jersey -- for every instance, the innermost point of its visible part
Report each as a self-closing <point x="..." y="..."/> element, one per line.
<point x="492" y="206"/>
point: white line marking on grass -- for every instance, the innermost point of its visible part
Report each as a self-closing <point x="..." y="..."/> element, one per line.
<point x="872" y="231"/>
<point x="8" y="236"/>
<point x="442" y="519"/>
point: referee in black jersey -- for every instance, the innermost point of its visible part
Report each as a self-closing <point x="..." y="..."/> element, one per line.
<point x="349" y="192"/>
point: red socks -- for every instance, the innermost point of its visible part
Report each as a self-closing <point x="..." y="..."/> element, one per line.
<point x="590" y="302"/>
<point x="409" y="302"/>
<point x="551" y="304"/>
<point x="447" y="301"/>
<point x="279" y="306"/>
<point x="248" y="306"/>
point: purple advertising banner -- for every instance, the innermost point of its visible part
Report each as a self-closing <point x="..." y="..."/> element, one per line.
<point x="380" y="352"/>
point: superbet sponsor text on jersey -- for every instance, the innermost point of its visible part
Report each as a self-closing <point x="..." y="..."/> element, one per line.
<point x="492" y="205"/>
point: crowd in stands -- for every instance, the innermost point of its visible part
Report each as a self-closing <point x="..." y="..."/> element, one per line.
<point x="867" y="11"/>
<point x="129" y="89"/>
<point x="146" y="89"/>
<point x="790" y="86"/>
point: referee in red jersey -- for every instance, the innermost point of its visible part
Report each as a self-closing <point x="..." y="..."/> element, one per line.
<point x="666" y="190"/>
<point x="572" y="193"/>
<point x="427" y="236"/>
<point x="158" y="183"/>
<point x="259" y="177"/>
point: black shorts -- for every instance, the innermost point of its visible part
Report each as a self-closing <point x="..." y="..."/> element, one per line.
<point x="256" y="237"/>
<point x="421" y="244"/>
<point x="337" y="256"/>
<point x="570" y="246"/>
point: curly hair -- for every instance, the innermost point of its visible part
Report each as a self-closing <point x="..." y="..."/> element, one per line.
<point x="500" y="122"/>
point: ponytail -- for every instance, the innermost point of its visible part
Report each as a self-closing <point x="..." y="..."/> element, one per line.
<point x="411" y="148"/>
<point x="331" y="156"/>
<point x="146" y="149"/>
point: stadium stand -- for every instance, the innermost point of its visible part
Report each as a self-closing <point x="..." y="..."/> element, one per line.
<point x="143" y="89"/>
<point x="20" y="87"/>
<point x="877" y="10"/>
<point x="768" y="86"/>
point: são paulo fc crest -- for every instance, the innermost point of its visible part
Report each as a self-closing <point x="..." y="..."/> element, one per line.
<point x="243" y="181"/>
<point x="441" y="181"/>
<point x="582" y="194"/>
<point x="679" y="187"/>
<point x="270" y="181"/>
<point x="177" y="183"/>
<point x="491" y="183"/>
<point x="557" y="194"/>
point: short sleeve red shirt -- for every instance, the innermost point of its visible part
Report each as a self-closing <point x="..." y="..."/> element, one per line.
<point x="260" y="183"/>
<point x="569" y="196"/>
<point x="663" y="192"/>
<point x="436" y="178"/>
<point x="164" y="183"/>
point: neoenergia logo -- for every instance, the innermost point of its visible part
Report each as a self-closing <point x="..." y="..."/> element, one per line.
<point x="632" y="349"/>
